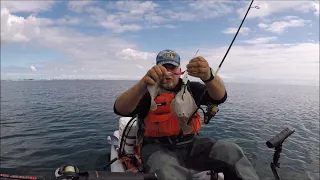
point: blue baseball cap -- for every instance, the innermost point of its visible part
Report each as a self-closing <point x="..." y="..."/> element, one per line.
<point x="168" y="57"/>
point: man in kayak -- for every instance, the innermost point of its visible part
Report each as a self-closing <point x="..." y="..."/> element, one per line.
<point x="167" y="151"/>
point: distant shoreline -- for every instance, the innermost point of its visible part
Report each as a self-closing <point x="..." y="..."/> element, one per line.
<point x="226" y="82"/>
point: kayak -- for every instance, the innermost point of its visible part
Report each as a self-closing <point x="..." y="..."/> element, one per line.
<point x="129" y="145"/>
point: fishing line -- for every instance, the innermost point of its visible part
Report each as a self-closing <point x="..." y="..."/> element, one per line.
<point x="185" y="77"/>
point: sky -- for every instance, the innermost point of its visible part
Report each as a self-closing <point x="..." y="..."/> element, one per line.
<point x="278" y="42"/>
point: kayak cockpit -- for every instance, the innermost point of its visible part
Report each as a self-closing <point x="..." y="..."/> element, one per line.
<point x="118" y="166"/>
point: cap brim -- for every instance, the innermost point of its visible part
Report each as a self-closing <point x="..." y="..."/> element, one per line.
<point x="168" y="62"/>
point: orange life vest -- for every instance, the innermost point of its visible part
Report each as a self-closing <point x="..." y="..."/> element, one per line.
<point x="162" y="122"/>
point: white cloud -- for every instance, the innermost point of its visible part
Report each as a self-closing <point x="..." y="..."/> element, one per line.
<point x="262" y="25"/>
<point x="136" y="15"/>
<point x="155" y="19"/>
<point x="233" y="30"/>
<point x="309" y="7"/>
<point x="18" y="29"/>
<point x="27" y="6"/>
<point x="169" y="26"/>
<point x="139" y="66"/>
<point x="64" y="21"/>
<point x="133" y="7"/>
<point x="280" y="63"/>
<point x="116" y="26"/>
<point x="280" y="26"/>
<point x="316" y="8"/>
<point x="131" y="13"/>
<point x="210" y="9"/>
<point x="134" y="55"/>
<point x="79" y="5"/>
<point x="68" y="21"/>
<point x="181" y="16"/>
<point x="261" y="40"/>
<point x="268" y="8"/>
<point x="198" y="10"/>
<point x="33" y="69"/>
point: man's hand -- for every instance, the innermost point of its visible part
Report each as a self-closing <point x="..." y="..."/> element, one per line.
<point x="156" y="73"/>
<point x="128" y="101"/>
<point x="199" y="67"/>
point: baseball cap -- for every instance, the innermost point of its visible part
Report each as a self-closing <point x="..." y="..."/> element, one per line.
<point x="168" y="56"/>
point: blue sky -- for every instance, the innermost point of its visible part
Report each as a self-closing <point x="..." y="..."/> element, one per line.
<point x="279" y="42"/>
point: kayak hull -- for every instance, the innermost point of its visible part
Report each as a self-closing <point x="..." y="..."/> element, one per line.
<point x="117" y="166"/>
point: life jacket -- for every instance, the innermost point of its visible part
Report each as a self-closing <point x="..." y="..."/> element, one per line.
<point x="162" y="122"/>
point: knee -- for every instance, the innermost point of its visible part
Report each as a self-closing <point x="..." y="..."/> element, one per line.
<point x="161" y="159"/>
<point x="170" y="171"/>
<point x="230" y="151"/>
<point x="232" y="146"/>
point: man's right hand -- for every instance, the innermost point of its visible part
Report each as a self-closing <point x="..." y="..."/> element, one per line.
<point x="156" y="73"/>
<point x="128" y="101"/>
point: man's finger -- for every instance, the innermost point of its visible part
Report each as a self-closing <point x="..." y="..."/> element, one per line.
<point x="194" y="59"/>
<point x="158" y="71"/>
<point x="153" y="75"/>
<point x="149" y="80"/>
<point x="198" y="58"/>
<point x="194" y="74"/>
<point x="196" y="64"/>
<point x="163" y="70"/>
<point x="203" y="69"/>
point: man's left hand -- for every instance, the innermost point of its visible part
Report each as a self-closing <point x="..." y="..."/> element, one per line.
<point x="199" y="67"/>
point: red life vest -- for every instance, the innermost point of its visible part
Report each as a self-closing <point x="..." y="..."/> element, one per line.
<point x="162" y="122"/>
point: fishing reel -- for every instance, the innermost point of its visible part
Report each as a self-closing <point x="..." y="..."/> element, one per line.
<point x="211" y="111"/>
<point x="67" y="172"/>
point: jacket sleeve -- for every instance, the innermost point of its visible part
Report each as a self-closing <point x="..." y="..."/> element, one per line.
<point x="198" y="90"/>
<point x="141" y="108"/>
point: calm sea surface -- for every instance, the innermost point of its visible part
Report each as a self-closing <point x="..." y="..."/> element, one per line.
<point x="45" y="124"/>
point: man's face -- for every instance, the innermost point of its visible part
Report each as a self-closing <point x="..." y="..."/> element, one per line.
<point x="170" y="81"/>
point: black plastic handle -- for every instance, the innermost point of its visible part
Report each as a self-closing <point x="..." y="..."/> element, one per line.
<point x="279" y="138"/>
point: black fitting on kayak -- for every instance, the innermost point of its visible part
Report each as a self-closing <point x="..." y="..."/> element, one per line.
<point x="211" y="112"/>
<point x="276" y="142"/>
<point x="67" y="172"/>
<point x="279" y="138"/>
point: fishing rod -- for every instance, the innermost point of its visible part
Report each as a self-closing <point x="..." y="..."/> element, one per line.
<point x="213" y="109"/>
<point x="235" y="36"/>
